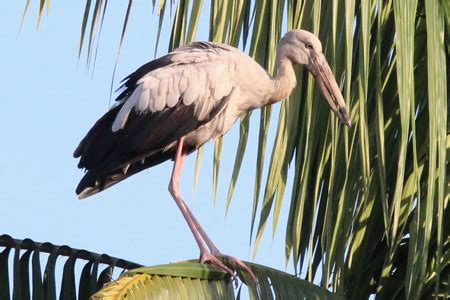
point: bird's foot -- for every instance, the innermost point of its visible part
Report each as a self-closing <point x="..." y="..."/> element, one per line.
<point x="236" y="263"/>
<point x="228" y="264"/>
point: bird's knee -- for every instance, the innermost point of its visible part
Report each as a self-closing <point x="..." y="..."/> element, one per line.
<point x="174" y="190"/>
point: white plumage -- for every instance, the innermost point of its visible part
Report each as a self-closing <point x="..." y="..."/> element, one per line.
<point x="206" y="79"/>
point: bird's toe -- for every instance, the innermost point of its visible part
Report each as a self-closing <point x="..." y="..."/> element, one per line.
<point x="228" y="264"/>
<point x="209" y="258"/>
<point x="236" y="264"/>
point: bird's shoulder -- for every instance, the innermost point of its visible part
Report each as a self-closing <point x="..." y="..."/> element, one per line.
<point x="199" y="74"/>
<point x="209" y="47"/>
<point x="199" y="55"/>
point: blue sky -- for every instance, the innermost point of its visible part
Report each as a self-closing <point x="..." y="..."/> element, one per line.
<point x="49" y="102"/>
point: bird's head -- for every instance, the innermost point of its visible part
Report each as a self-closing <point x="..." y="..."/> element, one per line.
<point x="303" y="47"/>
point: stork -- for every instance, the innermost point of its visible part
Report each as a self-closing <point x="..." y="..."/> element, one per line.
<point x="172" y="105"/>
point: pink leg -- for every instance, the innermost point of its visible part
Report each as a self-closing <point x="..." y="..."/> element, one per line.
<point x="214" y="250"/>
<point x="182" y="158"/>
<point x="175" y="192"/>
<point x="174" y="189"/>
<point x="234" y="261"/>
<point x="174" y="183"/>
<point x="206" y="256"/>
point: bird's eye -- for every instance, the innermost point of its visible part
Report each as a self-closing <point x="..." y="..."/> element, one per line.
<point x="309" y="46"/>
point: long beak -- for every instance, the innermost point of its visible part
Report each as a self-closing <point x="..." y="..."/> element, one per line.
<point x="322" y="72"/>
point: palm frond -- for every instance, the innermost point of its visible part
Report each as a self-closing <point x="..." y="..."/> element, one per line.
<point x="192" y="280"/>
<point x="29" y="282"/>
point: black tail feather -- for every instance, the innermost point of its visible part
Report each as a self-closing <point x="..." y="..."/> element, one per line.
<point x="93" y="182"/>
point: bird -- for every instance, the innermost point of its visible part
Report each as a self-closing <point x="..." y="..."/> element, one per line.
<point x="171" y="106"/>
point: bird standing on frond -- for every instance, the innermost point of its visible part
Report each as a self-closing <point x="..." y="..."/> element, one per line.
<point x="171" y="106"/>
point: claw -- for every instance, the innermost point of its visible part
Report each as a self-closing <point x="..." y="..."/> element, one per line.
<point x="212" y="259"/>
<point x="234" y="263"/>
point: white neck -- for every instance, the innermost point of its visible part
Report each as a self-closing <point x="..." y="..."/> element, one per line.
<point x="285" y="80"/>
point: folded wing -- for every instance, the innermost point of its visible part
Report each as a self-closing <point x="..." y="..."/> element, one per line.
<point x="161" y="102"/>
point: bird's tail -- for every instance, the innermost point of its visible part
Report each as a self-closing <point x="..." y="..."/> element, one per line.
<point x="94" y="182"/>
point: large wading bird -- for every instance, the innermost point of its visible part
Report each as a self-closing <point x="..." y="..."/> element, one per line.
<point x="171" y="106"/>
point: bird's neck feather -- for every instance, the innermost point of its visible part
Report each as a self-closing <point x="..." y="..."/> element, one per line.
<point x="285" y="79"/>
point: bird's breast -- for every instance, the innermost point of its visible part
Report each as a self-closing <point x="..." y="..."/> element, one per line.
<point x="215" y="128"/>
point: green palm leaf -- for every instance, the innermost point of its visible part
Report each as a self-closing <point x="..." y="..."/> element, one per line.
<point x="191" y="280"/>
<point x="27" y="256"/>
<point x="184" y="280"/>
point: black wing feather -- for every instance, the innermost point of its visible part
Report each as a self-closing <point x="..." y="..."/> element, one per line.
<point x="129" y="82"/>
<point x="94" y="135"/>
<point x="104" y="153"/>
